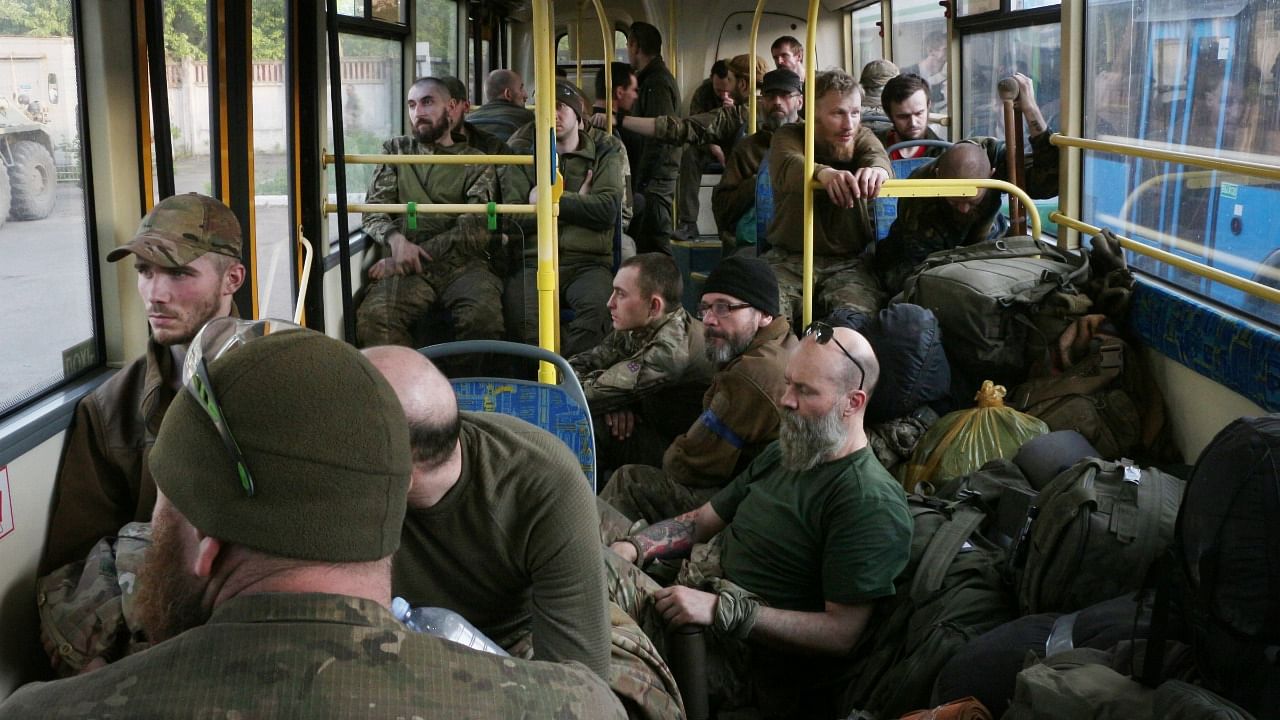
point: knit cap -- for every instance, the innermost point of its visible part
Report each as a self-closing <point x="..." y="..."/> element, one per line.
<point x="749" y="279"/>
<point x="323" y="436"/>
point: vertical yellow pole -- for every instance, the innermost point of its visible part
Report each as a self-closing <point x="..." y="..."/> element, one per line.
<point x="810" y="62"/>
<point x="751" y="86"/>
<point x="544" y="108"/>
<point x="607" y="43"/>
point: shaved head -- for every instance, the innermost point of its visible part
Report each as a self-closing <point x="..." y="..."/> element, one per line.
<point x="861" y="350"/>
<point x="426" y="396"/>
<point x="964" y="161"/>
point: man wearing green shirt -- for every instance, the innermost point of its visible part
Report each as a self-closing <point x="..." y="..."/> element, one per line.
<point x="809" y="538"/>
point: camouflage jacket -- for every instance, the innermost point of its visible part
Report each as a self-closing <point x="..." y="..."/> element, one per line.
<point x="927" y="225"/>
<point x="735" y="195"/>
<point x="629" y="364"/>
<point x="587" y="222"/>
<point x="740" y="413"/>
<point x="628" y="194"/>
<point x="440" y="234"/>
<point x="836" y="231"/>
<point x="103" y="481"/>
<point x="316" y="656"/>
<point x="512" y="185"/>
<point x="722" y="126"/>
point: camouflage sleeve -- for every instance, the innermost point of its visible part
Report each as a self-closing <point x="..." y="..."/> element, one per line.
<point x="598" y="209"/>
<point x="736" y="192"/>
<point x="383" y="188"/>
<point x="87" y="609"/>
<point x="736" y="418"/>
<point x="718" y="127"/>
<point x="610" y="350"/>
<point x="660" y="360"/>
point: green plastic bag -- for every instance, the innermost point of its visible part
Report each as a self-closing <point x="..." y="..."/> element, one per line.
<point x="965" y="440"/>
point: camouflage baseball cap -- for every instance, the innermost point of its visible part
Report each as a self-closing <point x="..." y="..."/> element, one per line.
<point x="180" y="229"/>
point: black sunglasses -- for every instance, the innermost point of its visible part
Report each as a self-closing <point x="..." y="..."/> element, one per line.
<point x="824" y="333"/>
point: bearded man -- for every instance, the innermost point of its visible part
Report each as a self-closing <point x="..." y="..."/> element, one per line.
<point x="851" y="165"/>
<point x="432" y="259"/>
<point x="748" y="343"/>
<point x="808" y="539"/>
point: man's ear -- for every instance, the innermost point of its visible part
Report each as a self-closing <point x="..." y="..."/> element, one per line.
<point x="233" y="278"/>
<point x="206" y="554"/>
<point x="656" y="305"/>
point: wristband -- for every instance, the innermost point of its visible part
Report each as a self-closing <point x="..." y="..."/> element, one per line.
<point x="639" y="562"/>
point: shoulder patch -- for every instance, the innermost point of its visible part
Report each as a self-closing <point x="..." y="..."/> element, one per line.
<point x="633" y="366"/>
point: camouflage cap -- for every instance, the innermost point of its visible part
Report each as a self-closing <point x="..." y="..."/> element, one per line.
<point x="875" y="74"/>
<point x="180" y="229"/>
<point x="741" y="66"/>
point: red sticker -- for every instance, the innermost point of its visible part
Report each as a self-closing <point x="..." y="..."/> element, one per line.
<point x="6" y="503"/>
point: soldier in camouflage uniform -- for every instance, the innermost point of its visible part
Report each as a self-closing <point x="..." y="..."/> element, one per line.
<point x="273" y="603"/>
<point x="447" y="258"/>
<point x="644" y="380"/>
<point x="187" y="255"/>
<point x="927" y="225"/>
<point x="850" y="165"/>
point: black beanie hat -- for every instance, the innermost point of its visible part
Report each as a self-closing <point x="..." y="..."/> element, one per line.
<point x="324" y="437"/>
<point x="749" y="279"/>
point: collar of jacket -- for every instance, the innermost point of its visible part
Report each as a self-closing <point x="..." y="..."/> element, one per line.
<point x="161" y="370"/>
<point x="654" y="66"/>
<point x="772" y="332"/>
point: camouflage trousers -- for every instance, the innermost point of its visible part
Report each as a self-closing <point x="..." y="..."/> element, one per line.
<point x="644" y="492"/>
<point x="584" y="289"/>
<point x="467" y="288"/>
<point x="837" y="282"/>
<point x="637" y="673"/>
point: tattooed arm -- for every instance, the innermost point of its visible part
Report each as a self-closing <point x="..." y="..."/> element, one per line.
<point x="671" y="538"/>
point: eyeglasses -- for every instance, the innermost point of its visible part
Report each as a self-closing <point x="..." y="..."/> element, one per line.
<point x="720" y="308"/>
<point x="824" y="333"/>
<point x="218" y="337"/>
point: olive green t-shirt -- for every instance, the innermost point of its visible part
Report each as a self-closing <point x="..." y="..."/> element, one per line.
<point x="839" y="532"/>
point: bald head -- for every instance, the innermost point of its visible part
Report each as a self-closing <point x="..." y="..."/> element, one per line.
<point x="845" y="371"/>
<point x="964" y="161"/>
<point x="426" y="396"/>
<point x="505" y="85"/>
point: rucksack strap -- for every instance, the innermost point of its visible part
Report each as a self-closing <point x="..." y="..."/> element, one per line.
<point x="1161" y="573"/>
<point x="942" y="550"/>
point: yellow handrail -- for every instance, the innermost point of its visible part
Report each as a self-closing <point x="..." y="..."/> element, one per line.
<point x="1191" y="266"/>
<point x="755" y="36"/>
<point x="1242" y="167"/>
<point x="382" y="159"/>
<point x="437" y="208"/>
<point x="810" y="80"/>
<point x="944" y="187"/>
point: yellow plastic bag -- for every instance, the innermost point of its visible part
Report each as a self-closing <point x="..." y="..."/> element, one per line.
<point x="965" y="440"/>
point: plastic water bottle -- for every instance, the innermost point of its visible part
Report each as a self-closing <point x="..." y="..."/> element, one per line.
<point x="444" y="623"/>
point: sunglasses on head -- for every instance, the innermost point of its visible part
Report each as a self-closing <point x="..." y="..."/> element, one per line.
<point x="824" y="333"/>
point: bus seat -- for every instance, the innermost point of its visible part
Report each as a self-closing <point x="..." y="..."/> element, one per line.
<point x="886" y="208"/>
<point x="693" y="291"/>
<point x="559" y="409"/>
<point x="764" y="205"/>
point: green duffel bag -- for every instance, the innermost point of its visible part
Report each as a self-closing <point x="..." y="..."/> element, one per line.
<point x="1098" y="527"/>
<point x="994" y="300"/>
<point x="1078" y="685"/>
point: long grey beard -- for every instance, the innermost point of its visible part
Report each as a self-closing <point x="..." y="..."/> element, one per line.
<point x="807" y="443"/>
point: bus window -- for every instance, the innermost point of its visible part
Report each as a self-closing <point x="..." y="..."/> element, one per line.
<point x="920" y="47"/>
<point x="388" y="10"/>
<point x="48" y="336"/>
<point x="990" y="56"/>
<point x="867" y="45"/>
<point x="977" y="7"/>
<point x="187" y="70"/>
<point x="437" y="41"/>
<point x="372" y="109"/>
<point x="273" y="235"/>
<point x="1196" y="78"/>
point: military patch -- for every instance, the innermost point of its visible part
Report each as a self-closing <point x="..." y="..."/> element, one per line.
<point x="634" y="366"/>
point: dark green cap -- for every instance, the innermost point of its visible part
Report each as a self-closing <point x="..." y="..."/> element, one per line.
<point x="324" y="437"/>
<point x="180" y="229"/>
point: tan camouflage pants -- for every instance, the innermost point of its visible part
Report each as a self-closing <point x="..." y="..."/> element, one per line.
<point x="837" y="282"/>
<point x="468" y="290"/>
<point x="644" y="492"/>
